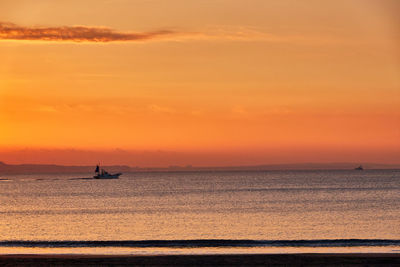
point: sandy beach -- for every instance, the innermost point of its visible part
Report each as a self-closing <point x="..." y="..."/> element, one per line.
<point x="205" y="260"/>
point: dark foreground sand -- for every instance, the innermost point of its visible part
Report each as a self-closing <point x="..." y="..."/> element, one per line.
<point x="205" y="260"/>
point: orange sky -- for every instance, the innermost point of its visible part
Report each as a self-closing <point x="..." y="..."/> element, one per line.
<point x="238" y="83"/>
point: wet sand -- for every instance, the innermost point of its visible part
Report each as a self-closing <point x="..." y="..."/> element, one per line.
<point x="382" y="259"/>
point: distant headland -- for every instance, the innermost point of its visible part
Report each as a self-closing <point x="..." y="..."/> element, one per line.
<point x="50" y="168"/>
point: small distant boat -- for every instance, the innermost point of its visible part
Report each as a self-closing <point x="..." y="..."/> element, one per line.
<point x="359" y="168"/>
<point x="102" y="174"/>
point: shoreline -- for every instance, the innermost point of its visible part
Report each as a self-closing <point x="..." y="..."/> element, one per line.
<point x="299" y="259"/>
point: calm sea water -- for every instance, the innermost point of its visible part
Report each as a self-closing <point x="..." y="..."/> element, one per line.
<point x="203" y="212"/>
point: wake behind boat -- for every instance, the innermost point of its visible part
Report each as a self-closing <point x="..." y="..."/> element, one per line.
<point x="102" y="174"/>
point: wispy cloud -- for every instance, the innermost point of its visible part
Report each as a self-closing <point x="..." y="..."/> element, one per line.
<point x="96" y="34"/>
<point x="232" y="33"/>
<point x="11" y="31"/>
<point x="160" y="109"/>
<point x="255" y="34"/>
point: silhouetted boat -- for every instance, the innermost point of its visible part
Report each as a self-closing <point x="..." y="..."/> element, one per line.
<point x="102" y="174"/>
<point x="359" y="168"/>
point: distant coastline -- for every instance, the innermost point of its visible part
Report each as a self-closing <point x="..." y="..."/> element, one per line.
<point x="50" y="168"/>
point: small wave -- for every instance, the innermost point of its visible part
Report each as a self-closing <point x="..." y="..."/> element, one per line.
<point x="199" y="243"/>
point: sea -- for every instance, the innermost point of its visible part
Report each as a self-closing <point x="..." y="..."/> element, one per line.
<point x="163" y="213"/>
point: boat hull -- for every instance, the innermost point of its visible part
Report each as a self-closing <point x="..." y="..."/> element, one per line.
<point x="108" y="176"/>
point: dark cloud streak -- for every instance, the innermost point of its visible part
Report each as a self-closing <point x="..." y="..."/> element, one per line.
<point x="10" y="31"/>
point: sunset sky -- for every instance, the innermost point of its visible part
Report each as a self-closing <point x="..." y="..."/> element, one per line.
<point x="210" y="82"/>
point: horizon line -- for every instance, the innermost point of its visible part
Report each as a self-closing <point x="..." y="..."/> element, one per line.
<point x="189" y="166"/>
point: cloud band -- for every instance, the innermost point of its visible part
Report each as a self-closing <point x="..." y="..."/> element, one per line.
<point x="10" y="31"/>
